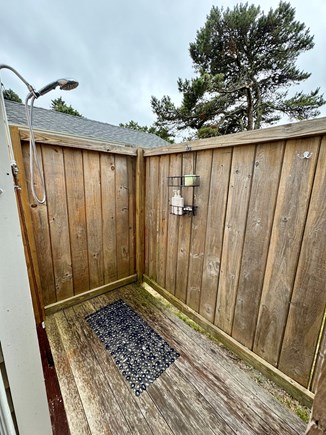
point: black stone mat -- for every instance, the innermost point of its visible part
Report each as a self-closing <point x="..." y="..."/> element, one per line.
<point x="139" y="352"/>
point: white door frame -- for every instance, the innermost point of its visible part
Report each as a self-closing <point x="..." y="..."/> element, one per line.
<point x="18" y="335"/>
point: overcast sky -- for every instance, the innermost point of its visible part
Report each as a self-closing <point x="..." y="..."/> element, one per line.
<point x="122" y="51"/>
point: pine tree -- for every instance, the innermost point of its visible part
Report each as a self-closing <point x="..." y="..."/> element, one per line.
<point x="60" y="106"/>
<point x="245" y="63"/>
<point x="159" y="131"/>
<point x="11" y="95"/>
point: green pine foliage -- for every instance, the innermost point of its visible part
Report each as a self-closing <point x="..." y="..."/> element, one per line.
<point x="245" y="64"/>
<point x="159" y="131"/>
<point x="60" y="106"/>
<point x="9" y="94"/>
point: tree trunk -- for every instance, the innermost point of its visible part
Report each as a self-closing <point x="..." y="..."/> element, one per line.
<point x="250" y="110"/>
<point x="259" y="111"/>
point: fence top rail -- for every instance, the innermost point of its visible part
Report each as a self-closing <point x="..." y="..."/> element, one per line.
<point x="302" y="129"/>
<point x="65" y="140"/>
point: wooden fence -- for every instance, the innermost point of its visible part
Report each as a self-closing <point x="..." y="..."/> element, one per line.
<point x="252" y="259"/>
<point x="251" y="262"/>
<point x="85" y="234"/>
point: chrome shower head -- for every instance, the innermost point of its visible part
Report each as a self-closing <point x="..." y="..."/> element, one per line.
<point x="64" y="84"/>
<point x="67" y="84"/>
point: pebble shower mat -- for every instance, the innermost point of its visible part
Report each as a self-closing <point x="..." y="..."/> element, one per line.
<point x="139" y="352"/>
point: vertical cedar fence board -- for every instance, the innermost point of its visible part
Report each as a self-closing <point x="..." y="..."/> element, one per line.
<point x="85" y="234"/>
<point x="252" y="259"/>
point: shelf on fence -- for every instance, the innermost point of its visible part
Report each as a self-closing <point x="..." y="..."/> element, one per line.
<point x="184" y="181"/>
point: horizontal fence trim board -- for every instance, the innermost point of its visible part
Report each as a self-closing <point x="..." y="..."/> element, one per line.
<point x="296" y="390"/>
<point x="74" y="300"/>
<point x="65" y="140"/>
<point x="312" y="127"/>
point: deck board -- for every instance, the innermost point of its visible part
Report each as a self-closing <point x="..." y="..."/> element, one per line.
<point x="203" y="392"/>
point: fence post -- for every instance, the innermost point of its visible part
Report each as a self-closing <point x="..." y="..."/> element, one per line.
<point x="140" y="214"/>
<point x="27" y="229"/>
<point x="317" y="423"/>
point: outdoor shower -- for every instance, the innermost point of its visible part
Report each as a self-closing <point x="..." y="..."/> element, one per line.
<point x="64" y="84"/>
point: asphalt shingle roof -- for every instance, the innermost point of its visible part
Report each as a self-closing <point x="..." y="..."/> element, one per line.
<point x="44" y="119"/>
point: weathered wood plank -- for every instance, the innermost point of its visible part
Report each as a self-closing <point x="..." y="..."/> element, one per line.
<point x="175" y="395"/>
<point x="41" y="231"/>
<point x="309" y="296"/>
<point x="173" y="229"/>
<point x="131" y="163"/>
<point x="141" y="412"/>
<point x="219" y="184"/>
<point x="73" y="161"/>
<point x="126" y="401"/>
<point x="108" y="198"/>
<point x="198" y="230"/>
<point x="182" y="406"/>
<point x="296" y="390"/>
<point x="54" y="174"/>
<point x="147" y="220"/>
<point x="147" y="406"/>
<point x="152" y="216"/>
<point x="92" y="179"/>
<point x="268" y="164"/>
<point x="234" y="231"/>
<point x="75" y="412"/>
<point x="65" y="140"/>
<point x="122" y="216"/>
<point x="93" y="388"/>
<point x="186" y="374"/>
<point x="234" y="396"/>
<point x="188" y="167"/>
<point x="290" y="215"/>
<point x="163" y="209"/>
<point x="69" y="302"/>
<point x="300" y="129"/>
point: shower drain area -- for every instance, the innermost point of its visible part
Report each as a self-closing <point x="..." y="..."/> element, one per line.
<point x="139" y="352"/>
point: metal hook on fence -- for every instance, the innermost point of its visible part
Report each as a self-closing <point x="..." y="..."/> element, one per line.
<point x="305" y="155"/>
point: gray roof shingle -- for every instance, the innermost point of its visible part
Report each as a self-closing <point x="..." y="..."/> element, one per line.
<point x="44" y="119"/>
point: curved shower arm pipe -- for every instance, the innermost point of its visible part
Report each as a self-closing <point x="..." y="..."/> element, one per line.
<point x="65" y="84"/>
<point x="29" y="86"/>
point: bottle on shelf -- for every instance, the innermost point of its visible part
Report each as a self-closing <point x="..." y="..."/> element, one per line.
<point x="177" y="203"/>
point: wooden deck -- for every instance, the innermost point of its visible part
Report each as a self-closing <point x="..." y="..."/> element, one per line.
<point x="203" y="392"/>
